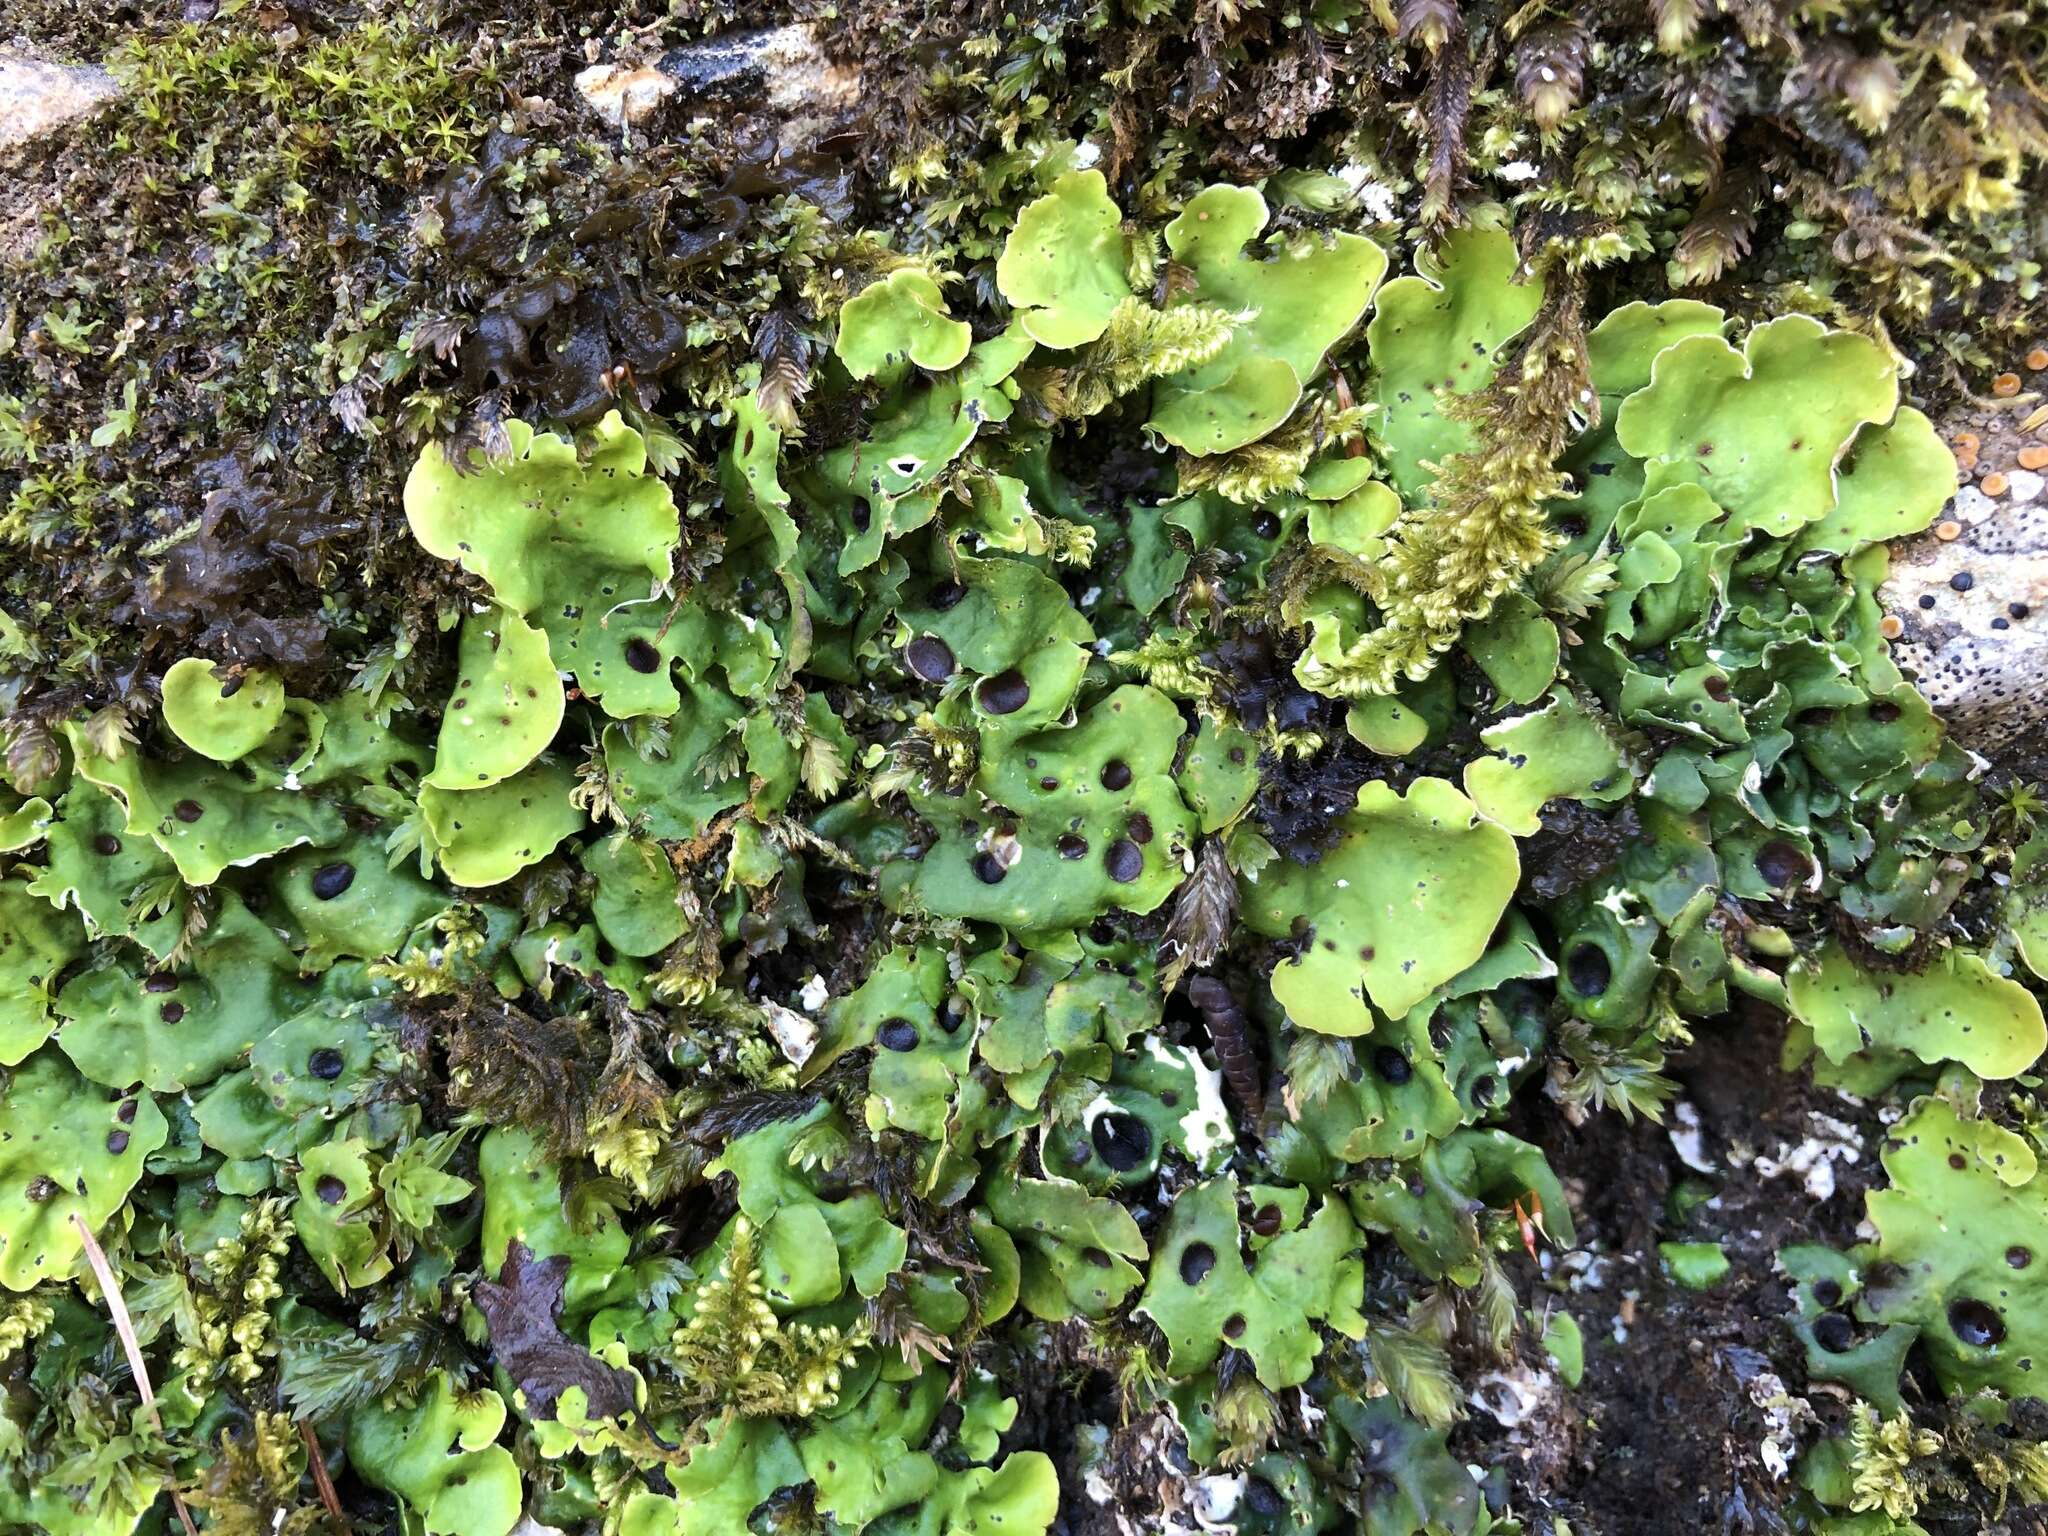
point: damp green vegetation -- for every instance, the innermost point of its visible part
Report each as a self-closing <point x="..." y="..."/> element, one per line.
<point x="930" y="819"/>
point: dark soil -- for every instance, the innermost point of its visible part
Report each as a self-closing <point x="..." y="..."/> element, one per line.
<point x="1665" y="1431"/>
<point x="1066" y="1387"/>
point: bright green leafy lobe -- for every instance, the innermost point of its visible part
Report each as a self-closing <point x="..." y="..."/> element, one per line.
<point x="539" y="523"/>
<point x="1427" y="1205"/>
<point x="224" y="723"/>
<point x="862" y="1460"/>
<point x="334" y="1214"/>
<point x="720" y="1484"/>
<point x="893" y="469"/>
<point x="1441" y="330"/>
<point x="1063" y="265"/>
<point x="315" y="1066"/>
<point x="811" y="1246"/>
<point x="677" y="796"/>
<point x="1825" y="1280"/>
<point x="1957" y="1009"/>
<point x="172" y="1029"/>
<point x="1406" y="901"/>
<point x="1622" y="349"/>
<point x="900" y="320"/>
<point x="1565" y="1344"/>
<point x="1386" y="725"/>
<point x="506" y="708"/>
<point x="483" y="836"/>
<point x="1060" y="1230"/>
<point x="36" y="943"/>
<point x="349" y="901"/>
<point x="1022" y="1495"/>
<point x="1561" y="750"/>
<point x="1517" y="648"/>
<point x="623" y="657"/>
<point x="635" y="905"/>
<point x="523" y="1203"/>
<point x="206" y="817"/>
<point x="1696" y="1266"/>
<point x="1893" y="484"/>
<point x="1620" y="352"/>
<point x="1097" y="822"/>
<point x="1220" y="773"/>
<point x="1204" y="1296"/>
<point x="1965" y="1222"/>
<point x="1299" y="304"/>
<point x="25" y="825"/>
<point x="1392" y="1113"/>
<point x="1676" y="560"/>
<point x="1718" y="418"/>
<point x="67" y="1148"/>
<point x="440" y="1456"/>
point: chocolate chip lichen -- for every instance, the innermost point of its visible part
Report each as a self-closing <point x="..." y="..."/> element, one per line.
<point x="1135" y="766"/>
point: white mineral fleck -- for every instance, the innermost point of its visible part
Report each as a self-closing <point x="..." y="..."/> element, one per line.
<point x="1813" y="1160"/>
<point x="1686" y="1137"/>
<point x="1216" y="1500"/>
<point x="796" y="1035"/>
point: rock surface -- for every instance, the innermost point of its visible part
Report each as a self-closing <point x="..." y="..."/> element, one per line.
<point x="784" y="68"/>
<point x="623" y="97"/>
<point x="36" y="96"/>
<point x="1971" y="594"/>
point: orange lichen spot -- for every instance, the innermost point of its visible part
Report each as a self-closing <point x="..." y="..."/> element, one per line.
<point x="2006" y="385"/>
<point x="1948" y="529"/>
<point x="2038" y="359"/>
<point x="1967" y="444"/>
<point x="1992" y="484"/>
<point x="1891" y="626"/>
<point x="2034" y="456"/>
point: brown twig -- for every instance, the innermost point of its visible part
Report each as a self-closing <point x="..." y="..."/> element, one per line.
<point x="328" y="1497"/>
<point x="132" y="1346"/>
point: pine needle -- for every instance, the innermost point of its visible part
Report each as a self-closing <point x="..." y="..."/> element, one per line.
<point x="329" y="1499"/>
<point x="130" y="1345"/>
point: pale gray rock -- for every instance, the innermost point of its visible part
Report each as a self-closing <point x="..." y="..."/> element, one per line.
<point x="1974" y="610"/>
<point x="624" y="98"/>
<point x="781" y="68"/>
<point x="36" y="96"/>
<point x="778" y="73"/>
